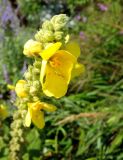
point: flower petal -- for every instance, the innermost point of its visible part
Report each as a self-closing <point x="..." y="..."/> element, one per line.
<point x="77" y="70"/>
<point x="63" y="64"/>
<point x="48" y="107"/>
<point x="43" y="70"/>
<point x="54" y="85"/>
<point x="73" y="48"/>
<point x="58" y="76"/>
<point x="38" y="118"/>
<point x="50" y="51"/>
<point x="28" y="119"/>
<point x="35" y="105"/>
<point x="36" y="115"/>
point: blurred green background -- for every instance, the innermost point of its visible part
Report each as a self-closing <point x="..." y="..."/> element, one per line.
<point x="88" y="124"/>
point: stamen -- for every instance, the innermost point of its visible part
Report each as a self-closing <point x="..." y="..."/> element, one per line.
<point x="54" y="62"/>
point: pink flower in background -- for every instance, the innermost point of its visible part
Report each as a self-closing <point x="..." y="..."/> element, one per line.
<point x="102" y="7"/>
<point x="78" y="17"/>
<point x="121" y="32"/>
<point x="81" y="18"/>
<point x="82" y="35"/>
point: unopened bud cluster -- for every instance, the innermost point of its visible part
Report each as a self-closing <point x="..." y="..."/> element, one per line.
<point x="52" y="30"/>
<point x="17" y="130"/>
<point x="32" y="76"/>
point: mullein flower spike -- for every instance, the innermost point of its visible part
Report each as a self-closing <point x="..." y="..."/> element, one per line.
<point x="55" y="65"/>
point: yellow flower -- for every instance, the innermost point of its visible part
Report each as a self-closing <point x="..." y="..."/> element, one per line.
<point x="20" y="90"/>
<point x="32" y="48"/>
<point x="3" y="112"/>
<point x="73" y="48"/>
<point x="11" y="87"/>
<point x="56" y="70"/>
<point x="77" y="70"/>
<point x="36" y="115"/>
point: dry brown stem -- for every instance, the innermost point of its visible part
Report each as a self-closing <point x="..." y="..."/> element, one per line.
<point x="74" y="117"/>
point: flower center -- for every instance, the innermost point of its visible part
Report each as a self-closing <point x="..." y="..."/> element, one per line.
<point x="54" y="62"/>
<point x="37" y="107"/>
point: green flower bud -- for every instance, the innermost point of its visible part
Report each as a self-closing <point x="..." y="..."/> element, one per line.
<point x="58" y="35"/>
<point x="23" y="113"/>
<point x="59" y="21"/>
<point x="20" y="132"/>
<point x="44" y="36"/>
<point x="26" y="87"/>
<point x="37" y="64"/>
<point x="33" y="91"/>
<point x="35" y="98"/>
<point x="15" y="116"/>
<point x="26" y="99"/>
<point x="47" y="45"/>
<point x="17" y="147"/>
<point x="36" y="84"/>
<point x="28" y="76"/>
<point x="47" y="25"/>
<point x="36" y="71"/>
<point x="21" y="139"/>
<point x="15" y="140"/>
<point x="38" y="36"/>
<point x="36" y="77"/>
<point x="30" y="68"/>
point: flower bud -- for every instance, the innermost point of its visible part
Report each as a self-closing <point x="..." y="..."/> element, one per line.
<point x="37" y="64"/>
<point x="58" y="35"/>
<point x="36" y="71"/>
<point x="36" y="84"/>
<point x="20" y="89"/>
<point x="59" y="21"/>
<point x="44" y="36"/>
<point x="35" y="98"/>
<point x="47" y="25"/>
<point x="32" y="48"/>
<point x="33" y="90"/>
<point x="27" y="87"/>
<point x="28" y="76"/>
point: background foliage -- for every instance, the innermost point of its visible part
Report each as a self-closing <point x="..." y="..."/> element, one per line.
<point x="88" y="124"/>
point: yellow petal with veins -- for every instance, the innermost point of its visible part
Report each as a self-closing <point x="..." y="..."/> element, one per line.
<point x="50" y="51"/>
<point x="58" y="74"/>
<point x="73" y="48"/>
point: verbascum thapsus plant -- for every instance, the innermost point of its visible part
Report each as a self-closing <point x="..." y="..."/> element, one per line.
<point x="55" y="64"/>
